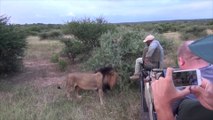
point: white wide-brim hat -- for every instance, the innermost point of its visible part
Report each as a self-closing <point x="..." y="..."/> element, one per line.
<point x="148" y="38"/>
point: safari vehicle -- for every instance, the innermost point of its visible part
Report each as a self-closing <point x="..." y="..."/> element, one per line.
<point x="146" y="93"/>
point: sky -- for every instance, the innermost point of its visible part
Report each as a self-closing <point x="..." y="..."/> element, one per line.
<point x="114" y="11"/>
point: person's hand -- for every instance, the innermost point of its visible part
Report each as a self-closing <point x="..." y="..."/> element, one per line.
<point x="164" y="91"/>
<point x="204" y="93"/>
<point x="148" y="63"/>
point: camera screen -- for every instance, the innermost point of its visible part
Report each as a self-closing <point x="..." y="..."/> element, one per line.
<point x="185" y="78"/>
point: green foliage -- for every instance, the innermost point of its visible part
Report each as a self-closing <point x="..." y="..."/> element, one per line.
<point x="118" y="49"/>
<point x="55" y="58"/>
<point x="88" y="31"/>
<point x="73" y="48"/>
<point x="38" y="28"/>
<point x="62" y="64"/>
<point x="210" y="23"/>
<point x="191" y="32"/>
<point x="168" y="45"/>
<point x="162" y="28"/>
<point x="12" y="44"/>
<point x="53" y="34"/>
<point x="43" y="35"/>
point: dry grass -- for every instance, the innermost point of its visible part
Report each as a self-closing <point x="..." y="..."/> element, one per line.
<point x="28" y="102"/>
<point x="42" y="49"/>
<point x="171" y="58"/>
<point x="209" y="31"/>
<point x="31" y="103"/>
<point x="172" y="35"/>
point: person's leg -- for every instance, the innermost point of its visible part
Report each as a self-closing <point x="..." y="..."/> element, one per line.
<point x="138" y="63"/>
<point x="193" y="110"/>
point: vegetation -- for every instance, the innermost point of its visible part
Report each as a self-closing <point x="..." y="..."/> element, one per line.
<point x="120" y="50"/>
<point x="42" y="50"/>
<point x="190" y="29"/>
<point x="54" y="58"/>
<point x="53" y="34"/>
<point x="62" y="64"/>
<point x="27" y="102"/>
<point x="88" y="31"/>
<point x="32" y="94"/>
<point x="73" y="48"/>
<point x="36" y="29"/>
<point x="12" y="44"/>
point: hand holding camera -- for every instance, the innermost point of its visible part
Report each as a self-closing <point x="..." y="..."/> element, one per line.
<point x="181" y="78"/>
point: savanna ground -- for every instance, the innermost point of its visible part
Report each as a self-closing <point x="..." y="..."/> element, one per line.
<point x="33" y="95"/>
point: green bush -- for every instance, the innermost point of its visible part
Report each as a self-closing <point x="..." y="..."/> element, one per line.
<point x="192" y="32"/>
<point x="88" y="31"/>
<point x="12" y="44"/>
<point x="118" y="49"/>
<point x="53" y="34"/>
<point x="73" y="48"/>
<point x="44" y="35"/>
<point x="38" y="28"/>
<point x="55" y="58"/>
<point x="62" y="64"/>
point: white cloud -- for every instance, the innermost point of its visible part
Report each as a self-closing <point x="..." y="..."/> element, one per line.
<point x="119" y="10"/>
<point x="71" y="14"/>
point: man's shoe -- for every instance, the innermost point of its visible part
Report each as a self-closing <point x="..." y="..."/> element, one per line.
<point x="134" y="77"/>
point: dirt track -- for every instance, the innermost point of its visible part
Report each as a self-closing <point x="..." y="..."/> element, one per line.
<point x="42" y="73"/>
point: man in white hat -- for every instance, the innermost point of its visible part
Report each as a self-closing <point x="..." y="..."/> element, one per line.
<point x="153" y="55"/>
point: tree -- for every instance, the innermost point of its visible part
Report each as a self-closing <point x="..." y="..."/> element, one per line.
<point x="12" y="44"/>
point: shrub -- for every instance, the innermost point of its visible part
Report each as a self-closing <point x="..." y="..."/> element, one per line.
<point x="88" y="31"/>
<point x="12" y="44"/>
<point x="53" y="34"/>
<point x="55" y="58"/>
<point x="120" y="49"/>
<point x="192" y="32"/>
<point x="43" y="35"/>
<point x="73" y="48"/>
<point x="62" y="64"/>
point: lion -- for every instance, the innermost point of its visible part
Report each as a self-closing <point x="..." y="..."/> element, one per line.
<point x="103" y="79"/>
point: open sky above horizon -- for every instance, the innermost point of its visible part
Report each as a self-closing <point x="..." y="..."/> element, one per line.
<point x="114" y="11"/>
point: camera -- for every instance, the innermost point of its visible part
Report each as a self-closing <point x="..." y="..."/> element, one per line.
<point x="186" y="77"/>
<point x="180" y="77"/>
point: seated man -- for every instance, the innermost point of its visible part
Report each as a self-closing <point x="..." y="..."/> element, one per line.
<point x="191" y="55"/>
<point x="152" y="56"/>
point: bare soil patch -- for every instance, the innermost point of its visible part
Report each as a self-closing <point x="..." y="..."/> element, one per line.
<point x="43" y="73"/>
<point x="172" y="35"/>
